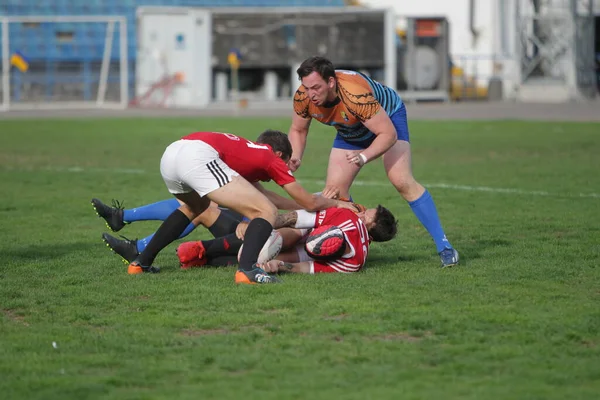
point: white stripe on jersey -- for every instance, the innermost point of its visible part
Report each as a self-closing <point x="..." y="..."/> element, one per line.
<point x="338" y="269"/>
<point x="347" y="264"/>
<point x="347" y="226"/>
<point x="352" y="251"/>
<point x="343" y="267"/>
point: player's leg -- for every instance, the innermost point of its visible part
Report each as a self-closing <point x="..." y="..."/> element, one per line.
<point x="158" y="211"/>
<point x="179" y="160"/>
<point x="218" y="221"/>
<point x="397" y="163"/>
<point x="170" y="229"/>
<point x="200" y="252"/>
<point x="116" y="216"/>
<point x="224" y="251"/>
<point x="241" y="196"/>
<point x="219" y="250"/>
<point x="340" y="173"/>
<point x="194" y="173"/>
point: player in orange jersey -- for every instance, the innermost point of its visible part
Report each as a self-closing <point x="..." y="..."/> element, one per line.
<point x="371" y="122"/>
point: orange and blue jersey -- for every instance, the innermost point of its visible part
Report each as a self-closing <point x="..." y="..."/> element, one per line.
<point x="359" y="99"/>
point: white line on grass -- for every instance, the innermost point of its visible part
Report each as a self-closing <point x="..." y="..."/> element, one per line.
<point x="448" y="186"/>
<point x="476" y="189"/>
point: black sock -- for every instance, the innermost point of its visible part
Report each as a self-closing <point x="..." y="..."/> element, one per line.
<point x="222" y="261"/>
<point x="258" y="232"/>
<point x="169" y="231"/>
<point x="224" y="225"/>
<point x="222" y="246"/>
<point x="233" y="214"/>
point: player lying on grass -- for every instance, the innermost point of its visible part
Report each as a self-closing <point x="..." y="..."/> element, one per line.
<point x="219" y="221"/>
<point x="346" y="254"/>
<point x="207" y="167"/>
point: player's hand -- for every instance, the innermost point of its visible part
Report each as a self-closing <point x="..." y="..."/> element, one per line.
<point x="359" y="207"/>
<point x="272" y="266"/>
<point x="294" y="164"/>
<point x="240" y="231"/>
<point x="331" y="192"/>
<point x="347" y="205"/>
<point x="355" y="157"/>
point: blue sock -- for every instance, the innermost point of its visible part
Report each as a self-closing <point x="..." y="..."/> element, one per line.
<point x="424" y="209"/>
<point x="142" y="243"/>
<point x="152" y="212"/>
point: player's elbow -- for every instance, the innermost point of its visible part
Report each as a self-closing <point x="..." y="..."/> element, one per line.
<point x="392" y="138"/>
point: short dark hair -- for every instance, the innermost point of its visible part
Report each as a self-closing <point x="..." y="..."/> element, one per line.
<point x="278" y="140"/>
<point x="318" y="64"/>
<point x="385" y="227"/>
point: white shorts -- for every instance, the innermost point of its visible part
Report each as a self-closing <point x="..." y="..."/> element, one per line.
<point x="192" y="165"/>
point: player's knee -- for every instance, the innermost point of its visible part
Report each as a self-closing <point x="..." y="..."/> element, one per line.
<point x="405" y="185"/>
<point x="197" y="207"/>
<point x="267" y="211"/>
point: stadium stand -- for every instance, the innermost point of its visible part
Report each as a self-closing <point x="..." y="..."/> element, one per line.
<point x="83" y="43"/>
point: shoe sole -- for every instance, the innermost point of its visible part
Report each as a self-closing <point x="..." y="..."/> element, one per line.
<point x="105" y="222"/>
<point x="449" y="265"/>
<point x="242" y="279"/>
<point x="134" y="270"/>
<point x="114" y="252"/>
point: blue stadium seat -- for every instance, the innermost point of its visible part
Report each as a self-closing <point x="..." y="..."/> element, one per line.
<point x="87" y="44"/>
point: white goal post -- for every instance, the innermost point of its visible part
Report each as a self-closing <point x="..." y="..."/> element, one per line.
<point x="72" y="62"/>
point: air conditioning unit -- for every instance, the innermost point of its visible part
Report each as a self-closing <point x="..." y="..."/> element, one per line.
<point x="423" y="60"/>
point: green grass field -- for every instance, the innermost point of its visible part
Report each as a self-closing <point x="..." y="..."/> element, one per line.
<point x="520" y="319"/>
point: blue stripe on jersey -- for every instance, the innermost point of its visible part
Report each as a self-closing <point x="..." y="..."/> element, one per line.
<point x="389" y="99"/>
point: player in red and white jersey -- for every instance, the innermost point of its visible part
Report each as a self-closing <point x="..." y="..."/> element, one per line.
<point x="254" y="161"/>
<point x="359" y="229"/>
<point x="215" y="167"/>
<point x="377" y="224"/>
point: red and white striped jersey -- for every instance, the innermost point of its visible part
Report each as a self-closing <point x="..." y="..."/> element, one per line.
<point x="357" y="238"/>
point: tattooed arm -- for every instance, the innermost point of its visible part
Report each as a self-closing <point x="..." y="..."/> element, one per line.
<point x="275" y="266"/>
<point x="286" y="220"/>
<point x="300" y="219"/>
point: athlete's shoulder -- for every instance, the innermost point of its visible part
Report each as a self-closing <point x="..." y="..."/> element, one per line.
<point x="353" y="80"/>
<point x="301" y="102"/>
<point x="357" y="95"/>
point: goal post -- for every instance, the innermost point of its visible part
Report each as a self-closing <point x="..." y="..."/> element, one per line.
<point x="64" y="62"/>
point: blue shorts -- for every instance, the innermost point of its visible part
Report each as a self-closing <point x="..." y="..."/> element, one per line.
<point x="400" y="123"/>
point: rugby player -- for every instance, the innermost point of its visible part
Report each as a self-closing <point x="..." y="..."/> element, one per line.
<point x="371" y="122"/>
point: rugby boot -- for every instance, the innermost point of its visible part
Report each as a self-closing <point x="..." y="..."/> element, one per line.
<point x="136" y="268"/>
<point x="124" y="247"/>
<point x="254" y="276"/>
<point x="449" y="257"/>
<point x="112" y="215"/>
